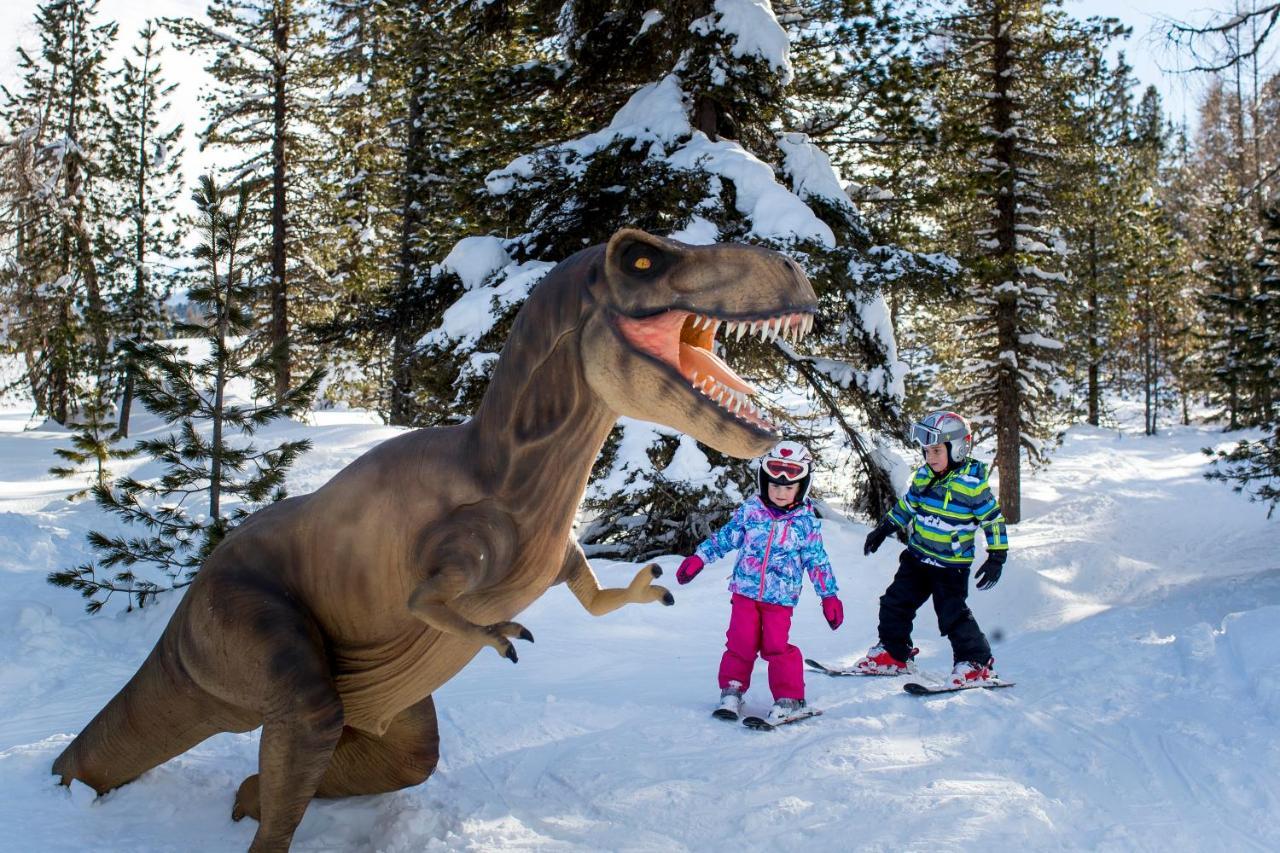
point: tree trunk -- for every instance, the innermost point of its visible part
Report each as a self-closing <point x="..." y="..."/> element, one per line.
<point x="1095" y="351"/>
<point x="1008" y="393"/>
<point x="400" y="408"/>
<point x="139" y="246"/>
<point x="281" y="13"/>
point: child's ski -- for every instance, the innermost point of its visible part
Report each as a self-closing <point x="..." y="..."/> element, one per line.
<point x="916" y="689"/>
<point x="832" y="671"/>
<point x="763" y="725"/>
<point x="725" y="714"/>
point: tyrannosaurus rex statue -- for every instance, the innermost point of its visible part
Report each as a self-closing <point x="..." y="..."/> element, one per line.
<point x="330" y="618"/>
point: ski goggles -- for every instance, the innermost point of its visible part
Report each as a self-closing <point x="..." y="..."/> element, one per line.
<point x="925" y="435"/>
<point x="781" y="469"/>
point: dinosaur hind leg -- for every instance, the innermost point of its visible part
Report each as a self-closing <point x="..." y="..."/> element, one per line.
<point x="157" y="715"/>
<point x="404" y="756"/>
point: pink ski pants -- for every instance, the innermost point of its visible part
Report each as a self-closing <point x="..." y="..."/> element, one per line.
<point x="756" y="627"/>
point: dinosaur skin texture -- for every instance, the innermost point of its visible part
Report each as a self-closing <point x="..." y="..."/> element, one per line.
<point x="329" y="619"/>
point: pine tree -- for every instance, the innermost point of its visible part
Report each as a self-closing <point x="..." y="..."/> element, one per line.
<point x="674" y="96"/>
<point x="862" y="93"/>
<point x="1103" y="183"/>
<point x="263" y="56"/>
<point x="1006" y="99"/>
<point x="448" y="94"/>
<point x="94" y="441"/>
<point x="1226" y="278"/>
<point x="1155" y="262"/>
<point x="144" y="166"/>
<point x="358" y="209"/>
<point x="207" y="456"/>
<point x="54" y="206"/>
<point x="1254" y="466"/>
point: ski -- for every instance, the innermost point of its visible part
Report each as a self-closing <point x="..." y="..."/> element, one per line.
<point x="725" y="714"/>
<point x="762" y="725"/>
<point x="837" y="673"/>
<point x="916" y="689"/>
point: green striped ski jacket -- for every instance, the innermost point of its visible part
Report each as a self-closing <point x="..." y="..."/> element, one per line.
<point x="941" y="514"/>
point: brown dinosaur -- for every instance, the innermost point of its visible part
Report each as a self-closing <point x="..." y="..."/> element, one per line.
<point x="330" y="618"/>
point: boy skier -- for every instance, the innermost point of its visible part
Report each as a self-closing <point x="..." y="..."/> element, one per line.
<point x="948" y="500"/>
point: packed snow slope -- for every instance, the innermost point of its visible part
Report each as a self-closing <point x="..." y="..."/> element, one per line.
<point x="1139" y="614"/>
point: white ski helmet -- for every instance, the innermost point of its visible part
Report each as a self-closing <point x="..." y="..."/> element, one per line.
<point x="947" y="428"/>
<point x="788" y="463"/>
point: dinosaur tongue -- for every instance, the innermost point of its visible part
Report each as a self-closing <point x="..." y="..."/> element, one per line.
<point x="704" y="362"/>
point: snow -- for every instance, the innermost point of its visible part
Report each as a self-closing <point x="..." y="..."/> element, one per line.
<point x="754" y="30"/>
<point x="651" y="17"/>
<point x="1140" y="615"/>
<point x="474" y="259"/>
<point x="475" y="313"/>
<point x="699" y="232"/>
<point x="774" y="212"/>
<point x="656" y="117"/>
<point x="810" y="170"/>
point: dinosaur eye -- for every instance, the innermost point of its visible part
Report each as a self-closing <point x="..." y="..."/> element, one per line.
<point x="643" y="260"/>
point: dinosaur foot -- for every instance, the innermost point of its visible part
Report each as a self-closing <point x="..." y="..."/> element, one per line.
<point x="247" y="802"/>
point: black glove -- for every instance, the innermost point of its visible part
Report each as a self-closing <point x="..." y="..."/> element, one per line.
<point x="989" y="572"/>
<point x="876" y="537"/>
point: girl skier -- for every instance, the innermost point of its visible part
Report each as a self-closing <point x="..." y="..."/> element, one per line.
<point x="778" y="538"/>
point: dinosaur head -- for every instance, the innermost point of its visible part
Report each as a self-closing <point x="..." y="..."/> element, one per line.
<point x="647" y="345"/>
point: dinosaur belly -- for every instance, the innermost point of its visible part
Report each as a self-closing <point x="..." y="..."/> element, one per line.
<point x="377" y="682"/>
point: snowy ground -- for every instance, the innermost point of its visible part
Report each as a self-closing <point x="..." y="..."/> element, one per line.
<point x="1140" y="615"/>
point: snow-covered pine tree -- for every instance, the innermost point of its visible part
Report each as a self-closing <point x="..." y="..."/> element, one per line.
<point x="1264" y="322"/>
<point x="94" y="442"/>
<point x="213" y="475"/>
<point x="1006" y="99"/>
<point x="450" y="98"/>
<point x="862" y="94"/>
<point x="263" y="57"/>
<point x="143" y="163"/>
<point x="1226" y="288"/>
<point x="1254" y="466"/>
<point x="685" y="103"/>
<point x="1156" y="262"/>
<point x="363" y="82"/>
<point x="54" y="207"/>
<point x="1102" y="185"/>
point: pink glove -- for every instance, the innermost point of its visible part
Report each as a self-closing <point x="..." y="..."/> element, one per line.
<point x="833" y="610"/>
<point x="689" y="568"/>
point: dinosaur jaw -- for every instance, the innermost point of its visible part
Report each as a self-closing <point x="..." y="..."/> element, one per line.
<point x="683" y="341"/>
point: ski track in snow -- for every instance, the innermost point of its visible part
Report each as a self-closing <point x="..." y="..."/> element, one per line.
<point x="1141" y="618"/>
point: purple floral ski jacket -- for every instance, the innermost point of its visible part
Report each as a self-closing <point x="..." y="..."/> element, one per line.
<point x="774" y="552"/>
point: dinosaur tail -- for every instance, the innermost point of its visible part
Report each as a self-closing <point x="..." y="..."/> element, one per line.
<point x="160" y="713"/>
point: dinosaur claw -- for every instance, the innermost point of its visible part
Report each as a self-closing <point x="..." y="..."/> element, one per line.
<point x="668" y="599"/>
<point x="525" y="635"/>
<point x="511" y="654"/>
<point x="656" y="570"/>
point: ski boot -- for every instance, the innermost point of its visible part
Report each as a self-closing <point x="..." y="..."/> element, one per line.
<point x="730" y="702"/>
<point x="879" y="662"/>
<point x="969" y="673"/>
<point x="786" y="710"/>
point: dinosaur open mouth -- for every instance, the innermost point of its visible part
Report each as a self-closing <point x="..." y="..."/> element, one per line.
<point x="684" y="341"/>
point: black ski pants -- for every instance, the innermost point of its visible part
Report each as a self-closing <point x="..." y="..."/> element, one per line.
<point x="911" y="587"/>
